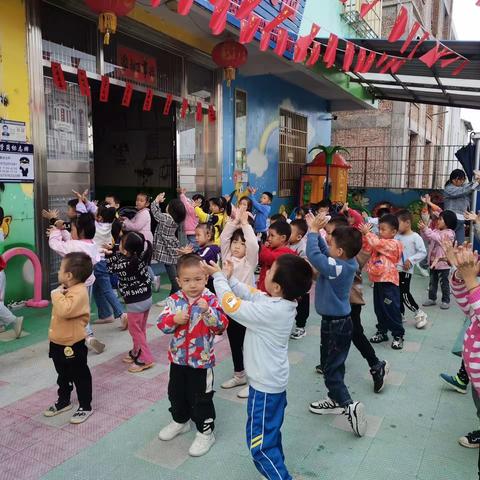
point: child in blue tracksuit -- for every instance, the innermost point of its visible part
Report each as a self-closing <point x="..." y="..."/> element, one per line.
<point x="262" y="212"/>
<point x="269" y="320"/>
<point x="337" y="267"/>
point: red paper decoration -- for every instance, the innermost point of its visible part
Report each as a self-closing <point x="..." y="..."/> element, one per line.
<point x="411" y="35"/>
<point x="183" y="111"/>
<point x="369" y="62"/>
<point x="460" y="68"/>
<point x="434" y="54"/>
<point x="104" y="89"/>
<point x="212" y="115"/>
<point x="246" y="8"/>
<point x="382" y="60"/>
<point x="399" y="26"/>
<point x="315" y="55"/>
<point x="184" y="6"/>
<point x="348" y="57"/>
<point x="366" y="7"/>
<point x="282" y="40"/>
<point x="229" y="55"/>
<point x="303" y="43"/>
<point x="425" y="37"/>
<point x="362" y="56"/>
<point x="58" y="77"/>
<point x="448" y="61"/>
<point x="199" y="112"/>
<point x="168" y="104"/>
<point x="248" y="28"/>
<point x="284" y="14"/>
<point x="218" y="20"/>
<point x="127" y="95"/>
<point x="83" y="83"/>
<point x="147" y="103"/>
<point x="331" y="51"/>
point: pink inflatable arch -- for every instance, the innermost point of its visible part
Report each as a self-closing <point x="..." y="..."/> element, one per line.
<point x="36" y="301"/>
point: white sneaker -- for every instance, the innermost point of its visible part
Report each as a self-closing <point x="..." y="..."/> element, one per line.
<point x="235" y="381"/>
<point x="172" y="430"/>
<point x="156" y="284"/>
<point x="357" y="418"/>
<point x="326" y="407"/>
<point x="420" y="319"/>
<point x="17" y="327"/>
<point x="202" y="444"/>
<point x="96" y="345"/>
<point x="243" y="393"/>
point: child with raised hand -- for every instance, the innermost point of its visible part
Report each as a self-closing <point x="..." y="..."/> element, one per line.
<point x="67" y="332"/>
<point x="165" y="243"/>
<point x="215" y="217"/>
<point x="194" y="317"/>
<point x="191" y="219"/>
<point x="385" y="254"/>
<point x="141" y="222"/>
<point x="336" y="267"/>
<point x="437" y="261"/>
<point x="268" y="320"/>
<point x="413" y="253"/>
<point x="262" y="212"/>
<point x="130" y="263"/>
<point x="240" y="247"/>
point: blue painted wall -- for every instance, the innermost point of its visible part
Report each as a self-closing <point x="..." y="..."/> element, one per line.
<point x="325" y="13"/>
<point x="265" y="96"/>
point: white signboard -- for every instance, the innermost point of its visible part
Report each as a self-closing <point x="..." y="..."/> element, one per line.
<point x="16" y="162"/>
<point x="12" y="131"/>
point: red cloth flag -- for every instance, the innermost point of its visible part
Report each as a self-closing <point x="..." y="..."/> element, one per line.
<point x="183" y="111"/>
<point x="184" y="6"/>
<point x="168" y="104"/>
<point x="362" y="56"/>
<point x="331" y="51"/>
<point x="246" y="8"/>
<point x="282" y="40"/>
<point x="315" y="54"/>
<point x="460" y="68"/>
<point x="127" y="95"/>
<point x="218" y="21"/>
<point x="366" y="7"/>
<point x="382" y="60"/>
<point x="348" y="57"/>
<point x="434" y="54"/>
<point x="58" y="76"/>
<point x="425" y="37"/>
<point x="448" y="61"/>
<point x="147" y="103"/>
<point x="369" y="62"/>
<point x="303" y="43"/>
<point x="399" y="26"/>
<point x="284" y="14"/>
<point x="199" y="113"/>
<point x="104" y="88"/>
<point x="248" y="28"/>
<point x="212" y="115"/>
<point x="411" y="35"/>
<point x="83" y="82"/>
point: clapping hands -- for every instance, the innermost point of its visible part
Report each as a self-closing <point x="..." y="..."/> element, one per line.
<point x="316" y="223"/>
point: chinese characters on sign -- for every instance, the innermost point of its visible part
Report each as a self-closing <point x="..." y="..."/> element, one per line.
<point x="16" y="162"/>
<point x="136" y="66"/>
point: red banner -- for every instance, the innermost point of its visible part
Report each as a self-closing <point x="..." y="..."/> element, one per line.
<point x="218" y="20"/>
<point x="58" y="77"/>
<point x="248" y="28"/>
<point x="315" y="55"/>
<point x="212" y="115"/>
<point x="147" y="104"/>
<point x="183" y="111"/>
<point x="104" y="89"/>
<point x="136" y="66"/>
<point x="199" y="113"/>
<point x="83" y="82"/>
<point x="184" y="6"/>
<point x="127" y="95"/>
<point x="168" y="104"/>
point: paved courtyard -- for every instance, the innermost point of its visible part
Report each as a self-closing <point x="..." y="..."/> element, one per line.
<point x="413" y="424"/>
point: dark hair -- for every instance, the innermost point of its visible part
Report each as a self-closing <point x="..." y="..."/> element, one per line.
<point x="237" y="235"/>
<point x="323" y="204"/>
<point x="138" y="248"/>
<point x="188" y="260"/>
<point x="339" y="221"/>
<point x="383" y="211"/>
<point x="294" y="275"/>
<point x="115" y="198"/>
<point x="2" y="215"/>
<point x="450" y="219"/>
<point x="277" y="217"/>
<point x="177" y="210"/>
<point x="209" y="228"/>
<point x="389" y="219"/>
<point x="146" y="195"/>
<point x="108" y="214"/>
<point x="249" y="202"/>
<point x="404" y="216"/>
<point x="228" y="207"/>
<point x="456" y="174"/>
<point x="220" y="202"/>
<point x="282" y="228"/>
<point x="269" y="195"/>
<point x="300" y="211"/>
<point x="349" y="239"/>
<point x="73" y="203"/>
<point x="301" y="225"/>
<point x="85" y="225"/>
<point x="79" y="264"/>
<point x="204" y="205"/>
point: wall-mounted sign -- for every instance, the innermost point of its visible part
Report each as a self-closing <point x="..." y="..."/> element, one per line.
<point x="12" y="131"/>
<point x="16" y="162"/>
<point x="136" y="66"/>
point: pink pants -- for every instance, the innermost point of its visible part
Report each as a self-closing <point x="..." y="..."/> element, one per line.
<point x="137" y="326"/>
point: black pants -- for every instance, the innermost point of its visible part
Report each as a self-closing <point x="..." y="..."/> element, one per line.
<point x="303" y="311"/>
<point x="435" y="277"/>
<point x="236" y="335"/>
<point x="71" y="366"/>
<point x="190" y="391"/>
<point x="405" y="295"/>
<point x="386" y="303"/>
<point x="360" y="340"/>
<point x="462" y="374"/>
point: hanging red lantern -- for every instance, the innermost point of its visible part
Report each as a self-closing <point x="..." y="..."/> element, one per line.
<point x="229" y="55"/>
<point x="108" y="11"/>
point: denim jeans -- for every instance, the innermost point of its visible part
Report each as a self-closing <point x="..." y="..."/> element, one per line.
<point x="336" y="337"/>
<point x="435" y="277"/>
<point x="192" y="241"/>
<point x="460" y="231"/>
<point x="386" y="303"/>
<point x="171" y="272"/>
<point x="106" y="300"/>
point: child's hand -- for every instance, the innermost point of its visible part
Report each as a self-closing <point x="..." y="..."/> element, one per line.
<point x="181" y="190"/>
<point x="320" y="222"/>
<point x="203" y="305"/>
<point x="181" y="317"/>
<point x="252" y="190"/>
<point x="407" y="265"/>
<point x="185" y="250"/>
<point x="228" y="269"/>
<point x="365" y="215"/>
<point x="160" y="198"/>
<point x="470" y="216"/>
<point x="197" y="202"/>
<point x="421" y="225"/>
<point x="243" y="215"/>
<point x="211" y="268"/>
<point x="365" y="228"/>
<point x="468" y="267"/>
<point x="309" y="218"/>
<point x="49" y="231"/>
<point x="50" y="214"/>
<point x="425" y="199"/>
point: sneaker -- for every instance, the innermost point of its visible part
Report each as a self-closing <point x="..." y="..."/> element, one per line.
<point x="379" y="374"/>
<point x="18" y="326"/>
<point x="202" y="444"/>
<point x="138" y="366"/>
<point x="243" y="393"/>
<point x="355" y="413"/>
<point x="131" y="357"/>
<point x="429" y="303"/>
<point x="96" y="345"/>
<point x="454" y="382"/>
<point x="298" y="333"/>
<point x="80" y="416"/>
<point x="53" y="410"/>
<point x="420" y="319"/>
<point x="379" y="337"/>
<point x="319" y="369"/>
<point x="397" y="343"/>
<point x="326" y="407"/>
<point x="123" y="321"/>
<point x="444" y="306"/>
<point x="235" y="381"/>
<point x="172" y="430"/>
<point x="470" y="440"/>
<point x="156" y="283"/>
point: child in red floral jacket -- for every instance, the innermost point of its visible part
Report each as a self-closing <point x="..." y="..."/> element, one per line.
<point x="194" y="317"/>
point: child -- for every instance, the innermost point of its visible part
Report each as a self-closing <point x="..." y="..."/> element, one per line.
<point x="240" y="247"/>
<point x="79" y="240"/>
<point x="437" y="261"/>
<point x="414" y="252"/>
<point x="141" y="222"/>
<point x="70" y="316"/>
<point x="298" y="243"/>
<point x="262" y="212"/>
<point x="269" y="321"/>
<point x="279" y="234"/>
<point x="386" y="253"/>
<point x="374" y="220"/>
<point x="194" y="317"/>
<point x="216" y="216"/>
<point x="337" y="267"/>
<point x="165" y="244"/>
<point x="131" y="264"/>
<point x="379" y="369"/>
<point x="112" y="200"/>
<point x="191" y="219"/>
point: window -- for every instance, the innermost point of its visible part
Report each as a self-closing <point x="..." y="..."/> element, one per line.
<point x="200" y="82"/>
<point x="292" y="152"/>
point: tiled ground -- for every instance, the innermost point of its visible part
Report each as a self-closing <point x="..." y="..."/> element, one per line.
<point x="413" y="424"/>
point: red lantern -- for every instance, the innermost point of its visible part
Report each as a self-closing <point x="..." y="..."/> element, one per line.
<point x="108" y="11"/>
<point x="229" y="55"/>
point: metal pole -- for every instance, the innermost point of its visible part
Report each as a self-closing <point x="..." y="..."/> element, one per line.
<point x="476" y="138"/>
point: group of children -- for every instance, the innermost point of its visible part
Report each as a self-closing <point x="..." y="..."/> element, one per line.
<point x="331" y="245"/>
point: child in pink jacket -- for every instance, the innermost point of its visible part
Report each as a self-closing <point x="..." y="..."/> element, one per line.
<point x="191" y="220"/>
<point x="141" y="222"/>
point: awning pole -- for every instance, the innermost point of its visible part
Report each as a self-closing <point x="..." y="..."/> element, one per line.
<point x="476" y="138"/>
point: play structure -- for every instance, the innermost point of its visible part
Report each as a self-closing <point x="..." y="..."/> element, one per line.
<point x="36" y="301"/>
